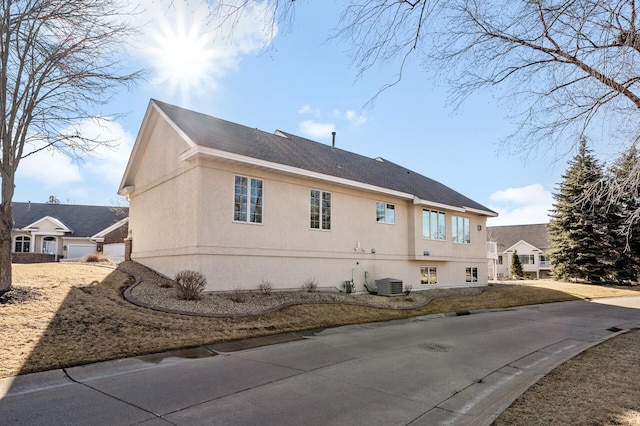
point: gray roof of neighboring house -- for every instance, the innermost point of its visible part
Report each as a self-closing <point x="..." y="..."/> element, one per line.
<point x="298" y="152"/>
<point x="84" y="221"/>
<point x="507" y="236"/>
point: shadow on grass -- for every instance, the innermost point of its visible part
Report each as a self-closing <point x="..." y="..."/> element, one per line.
<point x="94" y="322"/>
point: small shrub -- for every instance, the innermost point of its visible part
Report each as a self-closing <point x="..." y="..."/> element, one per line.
<point x="238" y="295"/>
<point x="310" y="285"/>
<point x="190" y="285"/>
<point x="265" y="287"/>
<point x="407" y="289"/>
<point x="95" y="258"/>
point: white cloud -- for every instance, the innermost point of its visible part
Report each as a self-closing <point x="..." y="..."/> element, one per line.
<point x="307" y="109"/>
<point x="108" y="161"/>
<point x="316" y="130"/>
<point x="519" y="206"/>
<point x="95" y="172"/>
<point x="355" y="119"/>
<point x="49" y="168"/>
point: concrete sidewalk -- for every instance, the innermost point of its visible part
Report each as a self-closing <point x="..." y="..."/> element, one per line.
<point x="421" y="371"/>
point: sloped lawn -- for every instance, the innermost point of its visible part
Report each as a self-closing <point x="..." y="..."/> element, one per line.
<point x="69" y="314"/>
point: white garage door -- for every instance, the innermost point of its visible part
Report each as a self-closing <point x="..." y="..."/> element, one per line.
<point x="114" y="252"/>
<point x="78" y="251"/>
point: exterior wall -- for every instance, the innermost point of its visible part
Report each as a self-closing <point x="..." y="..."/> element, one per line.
<point x="32" y="258"/>
<point x="187" y="223"/>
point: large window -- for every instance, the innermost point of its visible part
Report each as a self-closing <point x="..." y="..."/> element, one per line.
<point x="527" y="259"/>
<point x="472" y="275"/>
<point x="428" y="275"/>
<point x="22" y="245"/>
<point x="385" y="213"/>
<point x="500" y="260"/>
<point x="247" y="200"/>
<point x="320" y="210"/>
<point x="460" y="230"/>
<point x="433" y="225"/>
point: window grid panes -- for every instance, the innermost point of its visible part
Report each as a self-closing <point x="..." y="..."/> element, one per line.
<point x="433" y="225"/>
<point x="461" y="230"/>
<point x="320" y="210"/>
<point x="247" y="200"/>
<point x="428" y="275"/>
<point x="472" y="275"/>
<point x="385" y="213"/>
<point x="22" y="245"/>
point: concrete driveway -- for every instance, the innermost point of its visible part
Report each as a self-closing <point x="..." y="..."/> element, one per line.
<point x="421" y="371"/>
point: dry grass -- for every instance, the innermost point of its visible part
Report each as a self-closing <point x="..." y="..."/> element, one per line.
<point x="81" y="317"/>
<point x="601" y="386"/>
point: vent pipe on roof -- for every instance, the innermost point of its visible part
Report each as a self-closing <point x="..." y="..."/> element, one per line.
<point x="333" y="141"/>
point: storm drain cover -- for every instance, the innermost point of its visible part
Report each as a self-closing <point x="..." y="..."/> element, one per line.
<point x="614" y="329"/>
<point x="434" y="347"/>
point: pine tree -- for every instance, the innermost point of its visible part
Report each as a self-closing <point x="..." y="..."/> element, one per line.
<point x="516" y="266"/>
<point x="582" y="243"/>
<point x="625" y="226"/>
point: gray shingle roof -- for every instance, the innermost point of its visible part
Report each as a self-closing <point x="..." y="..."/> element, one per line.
<point x="301" y="153"/>
<point x="84" y="221"/>
<point x="506" y="236"/>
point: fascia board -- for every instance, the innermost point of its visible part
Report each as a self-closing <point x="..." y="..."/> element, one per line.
<point x="210" y="152"/>
<point x="510" y="249"/>
<point x="145" y="128"/>
<point x="55" y="221"/>
<point x="428" y="203"/>
<point x="113" y="227"/>
<point x="481" y="212"/>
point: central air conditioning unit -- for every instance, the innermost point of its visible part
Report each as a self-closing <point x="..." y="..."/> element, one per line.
<point x="389" y="287"/>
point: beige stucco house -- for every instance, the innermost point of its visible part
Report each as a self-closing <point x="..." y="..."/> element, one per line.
<point x="242" y="206"/>
<point x="50" y="232"/>
<point x="531" y="242"/>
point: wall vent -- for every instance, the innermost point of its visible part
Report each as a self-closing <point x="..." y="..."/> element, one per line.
<point x="389" y="287"/>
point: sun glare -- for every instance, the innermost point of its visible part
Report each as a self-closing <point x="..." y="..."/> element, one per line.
<point x="190" y="49"/>
<point x="183" y="56"/>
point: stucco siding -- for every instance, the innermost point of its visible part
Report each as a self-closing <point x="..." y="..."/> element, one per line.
<point x="187" y="223"/>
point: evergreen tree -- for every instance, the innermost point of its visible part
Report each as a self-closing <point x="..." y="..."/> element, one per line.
<point x="516" y="266"/>
<point x="582" y="243"/>
<point x="626" y="227"/>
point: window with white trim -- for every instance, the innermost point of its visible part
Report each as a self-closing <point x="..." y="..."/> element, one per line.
<point x="385" y="212"/>
<point x="428" y="275"/>
<point x="460" y="230"/>
<point x="320" y="210"/>
<point x="527" y="259"/>
<point x="472" y="275"/>
<point x="247" y="205"/>
<point x="433" y="225"/>
<point x="22" y="244"/>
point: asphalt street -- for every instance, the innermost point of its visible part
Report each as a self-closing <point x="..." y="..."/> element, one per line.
<point x="430" y="370"/>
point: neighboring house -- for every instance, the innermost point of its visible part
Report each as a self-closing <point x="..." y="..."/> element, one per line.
<point x="241" y="206"/>
<point x="45" y="232"/>
<point x="531" y="242"/>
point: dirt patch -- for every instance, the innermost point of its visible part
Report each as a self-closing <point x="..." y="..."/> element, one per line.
<point x="20" y="295"/>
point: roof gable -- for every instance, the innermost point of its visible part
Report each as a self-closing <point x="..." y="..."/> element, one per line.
<point x="79" y="220"/>
<point x="522" y="243"/>
<point x="507" y="236"/>
<point x="48" y="223"/>
<point x="212" y="136"/>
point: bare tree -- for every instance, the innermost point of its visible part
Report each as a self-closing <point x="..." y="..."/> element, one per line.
<point x="565" y="66"/>
<point x="58" y="60"/>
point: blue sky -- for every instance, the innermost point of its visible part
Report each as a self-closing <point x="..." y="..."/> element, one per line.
<point x="301" y="82"/>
